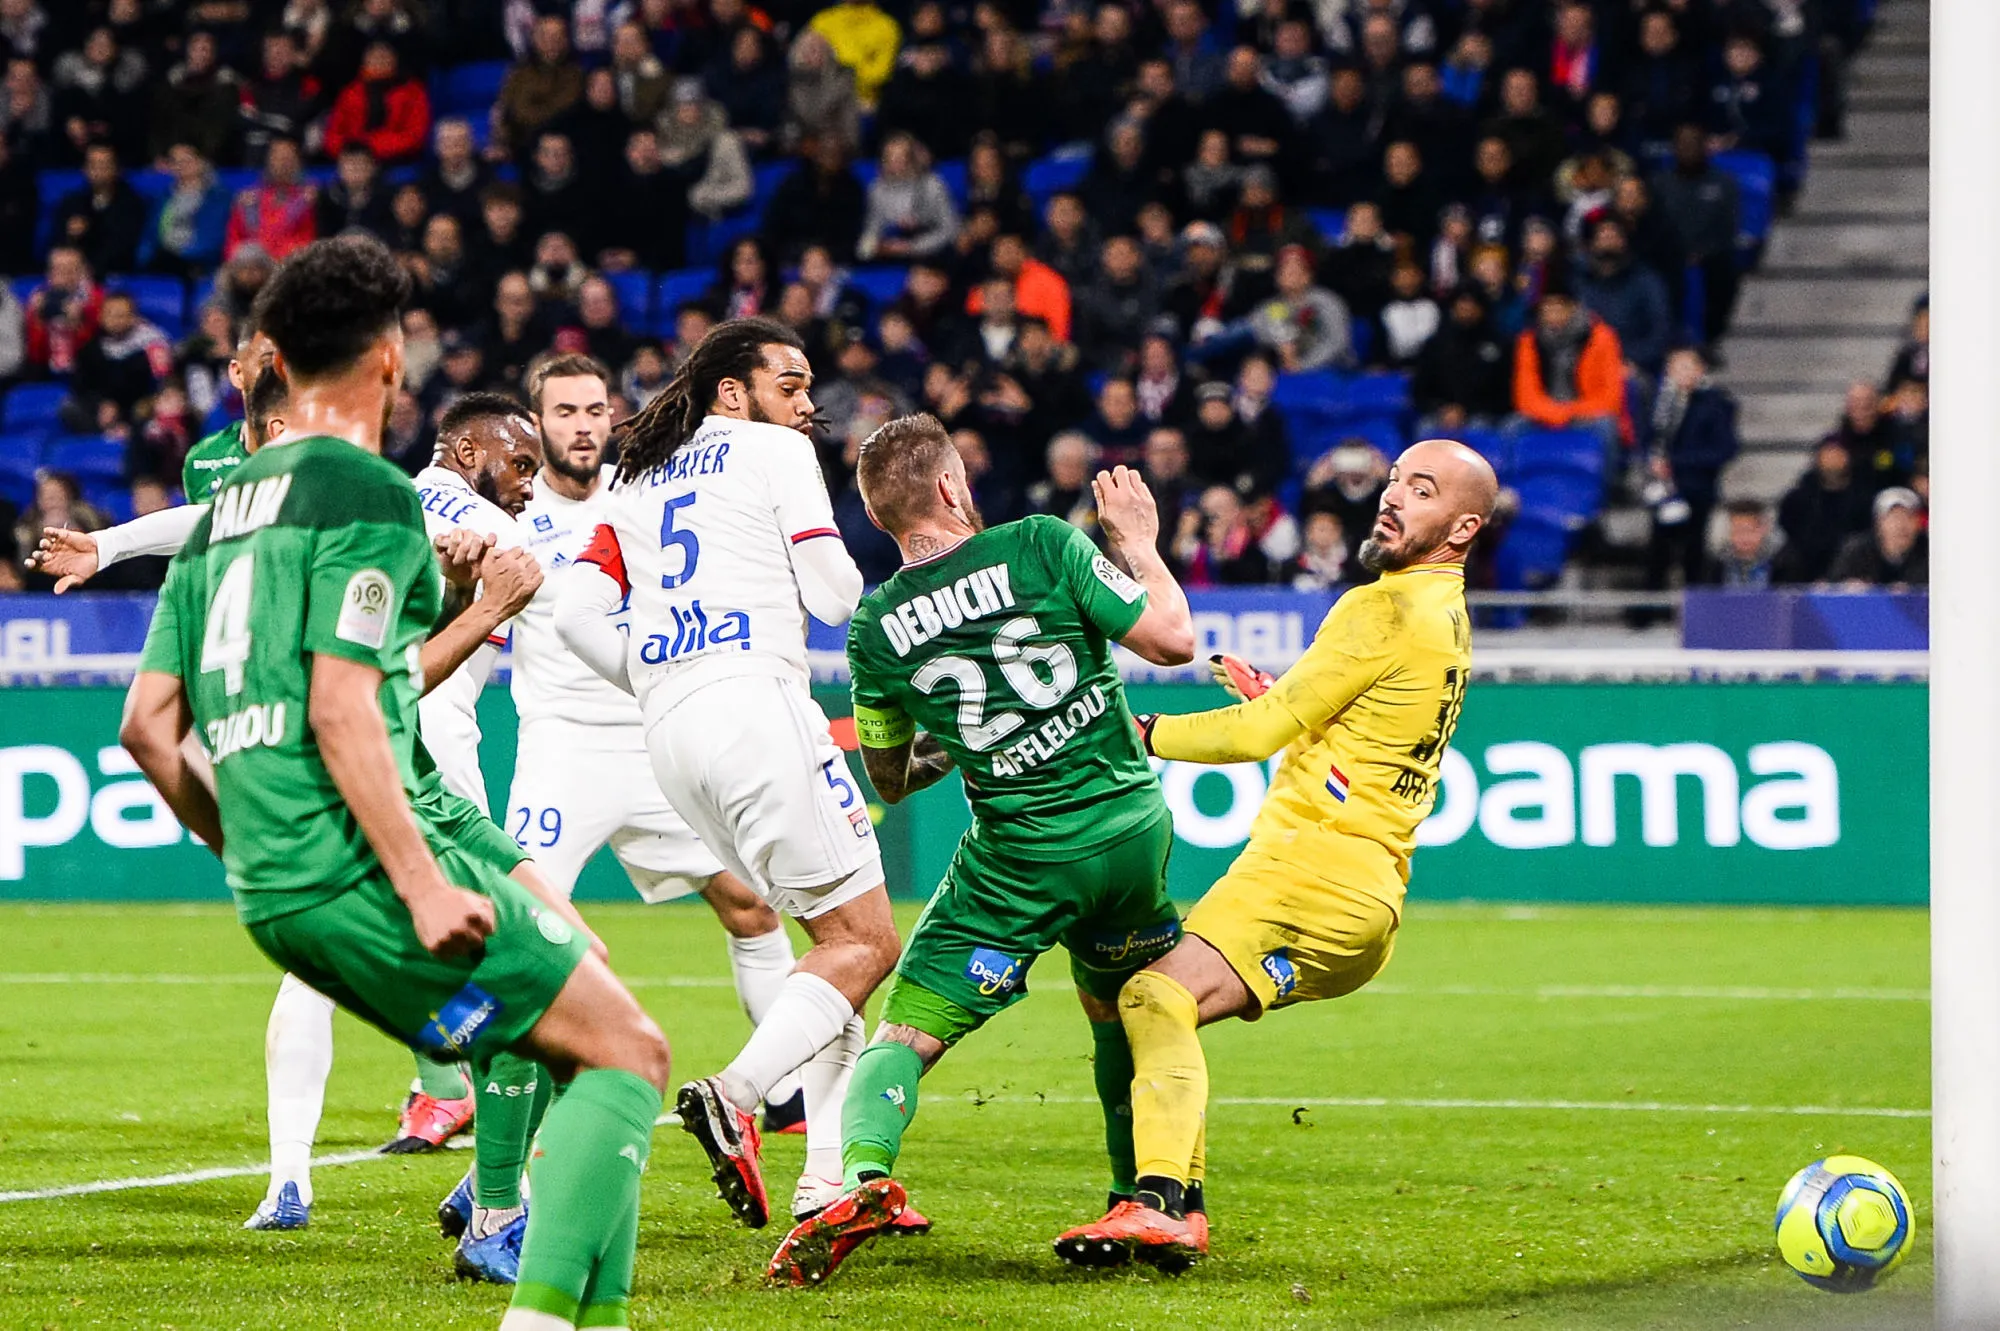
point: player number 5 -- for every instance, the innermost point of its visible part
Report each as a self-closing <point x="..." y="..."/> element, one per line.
<point x="671" y="535"/>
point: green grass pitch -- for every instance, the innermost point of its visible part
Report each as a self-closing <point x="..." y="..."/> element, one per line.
<point x="1550" y="1118"/>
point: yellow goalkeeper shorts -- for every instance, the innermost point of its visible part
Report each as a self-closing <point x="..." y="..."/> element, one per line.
<point x="1297" y="934"/>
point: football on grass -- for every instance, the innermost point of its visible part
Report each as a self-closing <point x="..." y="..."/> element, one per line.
<point x="1844" y="1223"/>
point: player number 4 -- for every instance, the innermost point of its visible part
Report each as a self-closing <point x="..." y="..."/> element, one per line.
<point x="1021" y="664"/>
<point x="225" y="646"/>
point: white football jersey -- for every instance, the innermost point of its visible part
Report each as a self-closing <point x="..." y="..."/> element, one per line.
<point x="448" y="716"/>
<point x="550" y="681"/>
<point x="705" y="545"/>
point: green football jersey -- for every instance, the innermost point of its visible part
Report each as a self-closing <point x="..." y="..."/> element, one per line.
<point x="1000" y="647"/>
<point x="210" y="462"/>
<point x="309" y="547"/>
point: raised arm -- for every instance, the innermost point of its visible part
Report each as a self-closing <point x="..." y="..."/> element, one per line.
<point x="1349" y="654"/>
<point x="1164" y="634"/>
<point x="589" y="592"/>
<point x="75" y="557"/>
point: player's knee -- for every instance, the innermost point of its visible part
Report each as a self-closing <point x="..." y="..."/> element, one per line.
<point x="750" y="919"/>
<point x="644" y="1051"/>
<point x="884" y="951"/>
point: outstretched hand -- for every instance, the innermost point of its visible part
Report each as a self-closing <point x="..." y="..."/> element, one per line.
<point x="1125" y="508"/>
<point x="69" y="556"/>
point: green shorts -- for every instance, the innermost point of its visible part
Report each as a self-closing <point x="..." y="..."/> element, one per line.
<point x="361" y="950"/>
<point x="998" y="910"/>
<point x="455" y="821"/>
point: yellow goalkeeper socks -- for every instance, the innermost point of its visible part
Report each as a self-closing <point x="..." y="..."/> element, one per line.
<point x="1170" y="1081"/>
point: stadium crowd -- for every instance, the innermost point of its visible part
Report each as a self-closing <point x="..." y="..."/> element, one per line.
<point x="1080" y="234"/>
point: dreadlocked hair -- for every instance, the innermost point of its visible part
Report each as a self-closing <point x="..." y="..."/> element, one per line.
<point x="732" y="350"/>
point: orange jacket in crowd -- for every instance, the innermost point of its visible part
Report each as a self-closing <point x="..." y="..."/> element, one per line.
<point x="1600" y="382"/>
<point x="1038" y="290"/>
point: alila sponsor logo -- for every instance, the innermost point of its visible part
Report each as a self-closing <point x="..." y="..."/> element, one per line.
<point x="1783" y="795"/>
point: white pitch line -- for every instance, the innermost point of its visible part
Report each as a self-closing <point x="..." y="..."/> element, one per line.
<point x="1251" y="1101"/>
<point x="1531" y="1106"/>
<point x="200" y="1175"/>
<point x="1720" y="993"/>
<point x="272" y="977"/>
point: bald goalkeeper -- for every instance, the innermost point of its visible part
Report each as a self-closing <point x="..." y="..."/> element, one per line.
<point x="1309" y="910"/>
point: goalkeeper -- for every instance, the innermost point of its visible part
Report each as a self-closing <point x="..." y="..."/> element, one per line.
<point x="1309" y="910"/>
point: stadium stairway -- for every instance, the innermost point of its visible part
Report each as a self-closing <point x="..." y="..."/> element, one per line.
<point x="1832" y="301"/>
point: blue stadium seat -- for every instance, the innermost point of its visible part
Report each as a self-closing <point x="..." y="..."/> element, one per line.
<point x="153" y="185"/>
<point x="707" y="241"/>
<point x="1379" y="393"/>
<point x="768" y="177"/>
<point x="161" y="299"/>
<point x="87" y="456"/>
<point x="676" y="289"/>
<point x="635" y="297"/>
<point x="32" y="406"/>
<point x="952" y="173"/>
<point x="1756" y="179"/>
<point x="1362" y="333"/>
<point x="1533" y="553"/>
<point x="111" y="496"/>
<point x="1543" y="452"/>
<point x="1574" y="496"/>
<point x="881" y="283"/>
<point x="469" y="90"/>
<point x="20" y="457"/>
<point x="204" y="291"/>
<point x="23" y="287"/>
<point x="1051" y="175"/>
<point x="1331" y="223"/>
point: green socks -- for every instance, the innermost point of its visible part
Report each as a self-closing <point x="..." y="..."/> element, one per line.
<point x="1112" y="1068"/>
<point x="512" y="1094"/>
<point x="576" y="1263"/>
<point x="440" y="1081"/>
<point x="881" y="1101"/>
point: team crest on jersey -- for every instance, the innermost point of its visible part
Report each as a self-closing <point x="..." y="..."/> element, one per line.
<point x="1116" y="579"/>
<point x="1281" y="970"/>
<point x="364" y="609"/>
<point x="864" y="827"/>
<point x="994" y="972"/>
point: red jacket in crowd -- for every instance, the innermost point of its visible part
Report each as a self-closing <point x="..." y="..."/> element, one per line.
<point x="58" y="328"/>
<point x="398" y="130"/>
<point x="279" y="218"/>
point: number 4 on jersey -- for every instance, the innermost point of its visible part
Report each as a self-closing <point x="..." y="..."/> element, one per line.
<point x="226" y="644"/>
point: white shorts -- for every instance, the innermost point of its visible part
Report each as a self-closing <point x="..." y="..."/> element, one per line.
<point x="579" y="787"/>
<point x="750" y="764"/>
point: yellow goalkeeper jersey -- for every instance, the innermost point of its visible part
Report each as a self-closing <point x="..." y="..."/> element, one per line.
<point x="1363" y="719"/>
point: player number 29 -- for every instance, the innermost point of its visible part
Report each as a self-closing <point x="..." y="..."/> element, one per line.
<point x="1022" y="665"/>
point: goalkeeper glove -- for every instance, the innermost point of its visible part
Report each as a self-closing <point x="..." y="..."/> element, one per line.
<point x="1144" y="725"/>
<point x="1243" y="680"/>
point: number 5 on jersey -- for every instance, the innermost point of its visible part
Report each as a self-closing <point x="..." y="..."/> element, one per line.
<point x="670" y="536"/>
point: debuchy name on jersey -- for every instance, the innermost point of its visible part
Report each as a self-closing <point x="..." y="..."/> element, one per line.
<point x="705" y="547"/>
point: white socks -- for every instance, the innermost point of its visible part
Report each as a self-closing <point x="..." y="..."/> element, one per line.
<point x="808" y="1015"/>
<point x="826" y="1079"/>
<point x="760" y="967"/>
<point x="527" y="1319"/>
<point x="298" y="1056"/>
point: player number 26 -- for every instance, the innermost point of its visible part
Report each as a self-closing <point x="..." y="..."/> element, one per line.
<point x="1022" y="665"/>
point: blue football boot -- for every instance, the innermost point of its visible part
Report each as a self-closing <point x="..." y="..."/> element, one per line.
<point x="455" y="1212"/>
<point x="286" y="1212"/>
<point x="496" y="1258"/>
